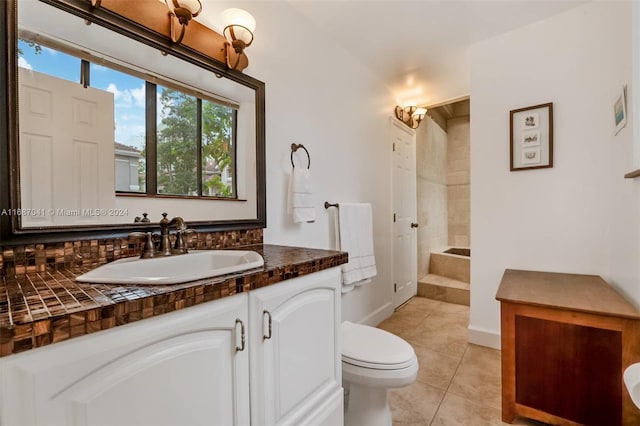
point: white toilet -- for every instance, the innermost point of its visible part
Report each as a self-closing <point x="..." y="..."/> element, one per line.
<point x="373" y="361"/>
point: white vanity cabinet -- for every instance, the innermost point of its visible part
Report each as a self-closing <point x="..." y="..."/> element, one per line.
<point x="181" y="368"/>
<point x="191" y="367"/>
<point x="296" y="370"/>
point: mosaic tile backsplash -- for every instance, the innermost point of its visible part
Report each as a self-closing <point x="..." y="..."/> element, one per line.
<point x="20" y="260"/>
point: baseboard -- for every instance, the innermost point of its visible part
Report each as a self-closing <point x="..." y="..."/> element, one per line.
<point x="483" y="337"/>
<point x="379" y="315"/>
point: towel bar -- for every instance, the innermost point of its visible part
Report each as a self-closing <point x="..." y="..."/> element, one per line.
<point x="294" y="148"/>
<point x="328" y="204"/>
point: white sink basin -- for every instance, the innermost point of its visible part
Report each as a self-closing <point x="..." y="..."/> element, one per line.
<point x="632" y="381"/>
<point x="195" y="265"/>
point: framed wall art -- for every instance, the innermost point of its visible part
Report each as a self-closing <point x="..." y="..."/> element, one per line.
<point x="531" y="137"/>
<point x="620" y="110"/>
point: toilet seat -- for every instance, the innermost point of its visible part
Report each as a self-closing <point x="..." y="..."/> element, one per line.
<point x="374" y="366"/>
<point x="372" y="348"/>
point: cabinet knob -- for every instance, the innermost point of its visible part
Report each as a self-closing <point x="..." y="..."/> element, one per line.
<point x="414" y="225"/>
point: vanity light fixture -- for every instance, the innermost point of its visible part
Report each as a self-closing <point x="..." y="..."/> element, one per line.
<point x="238" y="30"/>
<point x="182" y="11"/>
<point x="411" y="115"/>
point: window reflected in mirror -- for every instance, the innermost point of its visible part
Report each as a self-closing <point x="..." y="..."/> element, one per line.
<point x="130" y="131"/>
<point x="195" y="139"/>
<point x="194" y="143"/>
<point x="177" y="142"/>
<point x="35" y="57"/>
<point x="218" y="149"/>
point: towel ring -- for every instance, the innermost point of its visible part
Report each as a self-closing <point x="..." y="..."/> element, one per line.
<point x="294" y="148"/>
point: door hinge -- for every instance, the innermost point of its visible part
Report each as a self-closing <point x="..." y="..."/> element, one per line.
<point x="394" y="218"/>
<point x="395" y="287"/>
<point x="394" y="147"/>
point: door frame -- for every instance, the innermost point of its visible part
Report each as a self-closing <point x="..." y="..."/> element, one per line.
<point x="394" y="122"/>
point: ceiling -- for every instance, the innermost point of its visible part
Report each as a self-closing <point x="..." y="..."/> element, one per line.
<point x="420" y="48"/>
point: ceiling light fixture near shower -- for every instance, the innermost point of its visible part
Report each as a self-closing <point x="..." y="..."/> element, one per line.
<point x="411" y="115"/>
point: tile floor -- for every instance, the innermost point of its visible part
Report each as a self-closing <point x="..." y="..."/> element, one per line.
<point x="458" y="383"/>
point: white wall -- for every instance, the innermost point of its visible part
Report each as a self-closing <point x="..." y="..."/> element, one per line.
<point x="320" y="96"/>
<point x="580" y="216"/>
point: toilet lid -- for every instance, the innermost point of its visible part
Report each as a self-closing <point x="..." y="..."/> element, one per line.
<point x="371" y="347"/>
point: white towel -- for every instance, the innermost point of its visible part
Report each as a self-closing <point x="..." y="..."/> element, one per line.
<point x="354" y="235"/>
<point x="301" y="196"/>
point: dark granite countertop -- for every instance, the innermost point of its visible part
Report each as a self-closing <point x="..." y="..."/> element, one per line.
<point x="38" y="309"/>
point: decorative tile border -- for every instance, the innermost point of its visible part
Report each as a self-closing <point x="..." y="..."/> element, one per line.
<point x="40" y="308"/>
<point x="40" y="258"/>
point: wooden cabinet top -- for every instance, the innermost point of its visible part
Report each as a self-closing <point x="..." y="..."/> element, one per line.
<point x="583" y="293"/>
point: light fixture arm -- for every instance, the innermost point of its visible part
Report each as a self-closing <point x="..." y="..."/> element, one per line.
<point x="179" y="12"/>
<point x="183" y="27"/>
<point x="237" y="44"/>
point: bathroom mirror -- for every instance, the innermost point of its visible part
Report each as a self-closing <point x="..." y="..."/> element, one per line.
<point x="111" y="120"/>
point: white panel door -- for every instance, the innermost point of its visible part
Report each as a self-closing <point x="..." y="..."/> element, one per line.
<point x="405" y="249"/>
<point x="182" y="368"/>
<point x="296" y="370"/>
<point x="66" y="151"/>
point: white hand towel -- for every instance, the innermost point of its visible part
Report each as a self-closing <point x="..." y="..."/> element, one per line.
<point x="355" y="236"/>
<point x="301" y="196"/>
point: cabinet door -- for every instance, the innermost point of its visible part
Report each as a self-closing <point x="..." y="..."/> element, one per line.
<point x="178" y="368"/>
<point x="296" y="366"/>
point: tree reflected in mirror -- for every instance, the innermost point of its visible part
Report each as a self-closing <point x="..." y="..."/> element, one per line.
<point x="187" y="124"/>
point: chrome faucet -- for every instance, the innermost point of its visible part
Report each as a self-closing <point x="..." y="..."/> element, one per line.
<point x="180" y="247"/>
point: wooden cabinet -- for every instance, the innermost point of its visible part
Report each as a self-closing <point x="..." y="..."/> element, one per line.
<point x="178" y="368"/>
<point x="193" y="367"/>
<point x="566" y="339"/>
<point x="296" y="368"/>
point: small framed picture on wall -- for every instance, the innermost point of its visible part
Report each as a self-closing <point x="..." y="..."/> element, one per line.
<point x="620" y="110"/>
<point x="531" y="139"/>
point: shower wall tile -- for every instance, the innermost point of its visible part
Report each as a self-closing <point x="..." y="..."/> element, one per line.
<point x="431" y="152"/>
<point x="431" y="157"/>
<point x="458" y="182"/>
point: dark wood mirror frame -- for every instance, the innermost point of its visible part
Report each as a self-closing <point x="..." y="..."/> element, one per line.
<point x="10" y="231"/>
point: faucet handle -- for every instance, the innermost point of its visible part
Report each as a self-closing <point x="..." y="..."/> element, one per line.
<point x="180" y="246"/>
<point x="148" y="249"/>
<point x="143" y="219"/>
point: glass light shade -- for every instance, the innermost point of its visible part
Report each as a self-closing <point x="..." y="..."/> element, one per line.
<point x="241" y="17"/>
<point x="192" y="6"/>
<point x="420" y="112"/>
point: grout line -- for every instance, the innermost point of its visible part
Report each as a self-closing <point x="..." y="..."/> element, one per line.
<point x="403" y="304"/>
<point x="431" y="314"/>
<point x="449" y="384"/>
